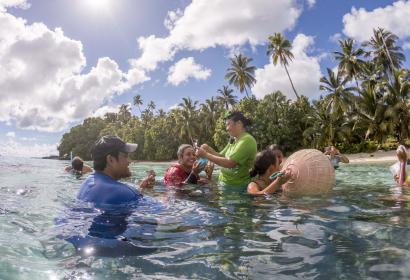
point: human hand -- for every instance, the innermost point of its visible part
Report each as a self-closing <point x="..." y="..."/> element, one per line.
<point x="201" y="152"/>
<point x="287" y="174"/>
<point x="149" y="181"/>
<point x="196" y="168"/>
<point x="207" y="148"/>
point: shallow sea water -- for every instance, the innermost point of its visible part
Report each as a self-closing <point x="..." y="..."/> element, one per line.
<point x="351" y="233"/>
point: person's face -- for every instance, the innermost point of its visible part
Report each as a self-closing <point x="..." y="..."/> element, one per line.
<point x="273" y="168"/>
<point x="188" y="158"/>
<point x="279" y="156"/>
<point x="120" y="165"/>
<point x="333" y="151"/>
<point x="233" y="128"/>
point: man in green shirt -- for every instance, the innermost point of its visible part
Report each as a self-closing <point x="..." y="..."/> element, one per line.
<point x="237" y="158"/>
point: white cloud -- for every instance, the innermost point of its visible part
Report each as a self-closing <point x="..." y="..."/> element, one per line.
<point x="42" y="72"/>
<point x="186" y="68"/>
<point x="228" y="23"/>
<point x="4" y="4"/>
<point x="11" y="134"/>
<point x="359" y="23"/>
<point x="304" y="71"/>
<point x="311" y="3"/>
<point x="406" y="46"/>
<point x="100" y="112"/>
<point x="14" y="148"/>
<point x="335" y="38"/>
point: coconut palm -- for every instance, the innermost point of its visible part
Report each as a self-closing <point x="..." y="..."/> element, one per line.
<point x="350" y="63"/>
<point x="188" y="117"/>
<point x="124" y="114"/>
<point x="226" y="98"/>
<point x="279" y="48"/>
<point x="240" y="74"/>
<point x="138" y="102"/>
<point x="210" y="114"/>
<point x="151" y="106"/>
<point x="339" y="97"/>
<point x="398" y="100"/>
<point x="384" y="50"/>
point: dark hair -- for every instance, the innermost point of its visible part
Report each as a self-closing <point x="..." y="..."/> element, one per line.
<point x="101" y="162"/>
<point x="77" y="163"/>
<point x="263" y="161"/>
<point x="238" y="116"/>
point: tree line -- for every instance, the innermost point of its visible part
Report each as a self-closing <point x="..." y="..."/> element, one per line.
<point x="365" y="105"/>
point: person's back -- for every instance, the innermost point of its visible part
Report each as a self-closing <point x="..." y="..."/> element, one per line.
<point x="100" y="188"/>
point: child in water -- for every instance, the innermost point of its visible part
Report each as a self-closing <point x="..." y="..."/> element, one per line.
<point x="266" y="164"/>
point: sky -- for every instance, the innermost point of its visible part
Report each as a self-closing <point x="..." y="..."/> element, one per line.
<point x="62" y="61"/>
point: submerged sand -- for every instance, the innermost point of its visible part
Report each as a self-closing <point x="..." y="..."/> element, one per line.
<point x="376" y="157"/>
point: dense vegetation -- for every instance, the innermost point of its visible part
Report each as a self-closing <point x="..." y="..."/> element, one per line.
<point x="365" y="105"/>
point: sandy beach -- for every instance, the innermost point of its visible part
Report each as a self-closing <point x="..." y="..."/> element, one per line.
<point x="376" y="157"/>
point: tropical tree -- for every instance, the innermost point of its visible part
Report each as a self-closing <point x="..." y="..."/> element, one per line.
<point x="240" y="74"/>
<point x="350" y="63"/>
<point x="279" y="48"/>
<point x="226" y="97"/>
<point x="398" y="100"/>
<point x="151" y="106"/>
<point x="384" y="50"/>
<point x="188" y="121"/>
<point x="210" y="112"/>
<point x="124" y="114"/>
<point x="138" y="102"/>
<point x="339" y="97"/>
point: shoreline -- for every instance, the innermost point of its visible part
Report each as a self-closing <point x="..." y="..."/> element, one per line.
<point x="376" y="157"/>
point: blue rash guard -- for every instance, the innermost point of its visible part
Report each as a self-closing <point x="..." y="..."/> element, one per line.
<point x="100" y="188"/>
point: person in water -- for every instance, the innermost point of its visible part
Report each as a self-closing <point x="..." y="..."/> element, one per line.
<point x="335" y="156"/>
<point x="402" y="178"/>
<point x="237" y="158"/>
<point x="278" y="151"/>
<point x="110" y="159"/>
<point x="186" y="170"/>
<point x="266" y="164"/>
<point x="78" y="167"/>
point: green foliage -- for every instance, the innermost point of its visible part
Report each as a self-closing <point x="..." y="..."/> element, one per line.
<point x="373" y="114"/>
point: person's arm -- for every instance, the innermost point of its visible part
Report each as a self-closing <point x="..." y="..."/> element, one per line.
<point x="344" y="158"/>
<point x="271" y="188"/>
<point x="68" y="168"/>
<point x="217" y="159"/>
<point x="210" y="150"/>
<point x="87" y="169"/>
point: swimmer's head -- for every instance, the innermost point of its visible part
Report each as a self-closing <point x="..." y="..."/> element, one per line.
<point x="263" y="161"/>
<point x="77" y="163"/>
<point x="401" y="151"/>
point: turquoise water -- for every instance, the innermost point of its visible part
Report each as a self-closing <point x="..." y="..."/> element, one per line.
<point x="352" y="233"/>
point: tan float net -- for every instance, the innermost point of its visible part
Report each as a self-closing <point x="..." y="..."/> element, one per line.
<point x="312" y="173"/>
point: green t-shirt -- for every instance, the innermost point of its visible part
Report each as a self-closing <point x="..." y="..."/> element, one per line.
<point x="243" y="152"/>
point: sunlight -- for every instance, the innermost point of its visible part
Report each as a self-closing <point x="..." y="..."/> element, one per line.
<point x="97" y="5"/>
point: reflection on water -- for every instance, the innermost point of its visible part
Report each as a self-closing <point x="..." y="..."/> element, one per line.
<point x="359" y="231"/>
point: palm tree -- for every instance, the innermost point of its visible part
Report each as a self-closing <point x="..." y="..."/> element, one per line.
<point x="339" y="97"/>
<point x="398" y="100"/>
<point x="384" y="50"/>
<point x="188" y="116"/>
<point x="138" y="102"/>
<point x="226" y="97"/>
<point x="240" y="74"/>
<point x="124" y="113"/>
<point x="350" y="63"/>
<point x="209" y="111"/>
<point x="279" y="48"/>
<point x="151" y="106"/>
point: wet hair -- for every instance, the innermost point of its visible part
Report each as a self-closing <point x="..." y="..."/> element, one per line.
<point x="263" y="161"/>
<point x="77" y="163"/>
<point x="238" y="116"/>
<point x="182" y="148"/>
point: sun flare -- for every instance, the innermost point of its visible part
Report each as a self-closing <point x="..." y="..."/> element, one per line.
<point x="97" y="5"/>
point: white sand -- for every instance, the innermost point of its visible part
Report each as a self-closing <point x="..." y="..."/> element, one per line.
<point x="379" y="156"/>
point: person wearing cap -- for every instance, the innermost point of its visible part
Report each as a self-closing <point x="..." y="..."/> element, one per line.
<point x="238" y="156"/>
<point x="187" y="169"/>
<point x="110" y="160"/>
<point x="78" y="167"/>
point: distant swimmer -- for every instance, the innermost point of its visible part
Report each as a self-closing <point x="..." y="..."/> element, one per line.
<point x="335" y="156"/>
<point x="400" y="169"/>
<point x="110" y="159"/>
<point x="78" y="167"/>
